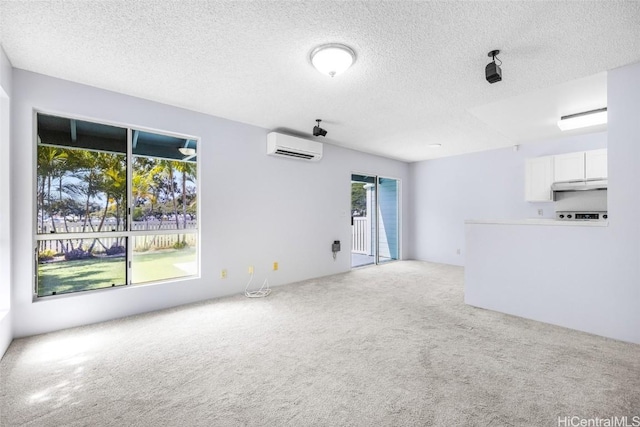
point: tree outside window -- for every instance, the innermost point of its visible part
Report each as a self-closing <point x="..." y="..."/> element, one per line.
<point x="106" y="221"/>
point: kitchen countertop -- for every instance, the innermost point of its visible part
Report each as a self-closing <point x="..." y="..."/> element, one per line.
<point x="539" y="221"/>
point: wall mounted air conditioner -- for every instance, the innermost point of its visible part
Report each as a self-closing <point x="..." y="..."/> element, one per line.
<point x="282" y="145"/>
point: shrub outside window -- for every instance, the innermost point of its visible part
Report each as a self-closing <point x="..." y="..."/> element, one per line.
<point x="116" y="206"/>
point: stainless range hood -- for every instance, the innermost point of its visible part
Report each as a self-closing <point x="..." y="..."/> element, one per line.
<point x="584" y="185"/>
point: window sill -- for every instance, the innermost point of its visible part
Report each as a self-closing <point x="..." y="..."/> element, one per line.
<point x="120" y="288"/>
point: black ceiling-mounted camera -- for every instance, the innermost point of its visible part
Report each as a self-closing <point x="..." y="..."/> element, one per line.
<point x="492" y="71"/>
<point x="318" y="131"/>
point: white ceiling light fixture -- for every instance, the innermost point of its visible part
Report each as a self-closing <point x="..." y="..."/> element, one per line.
<point x="583" y="120"/>
<point x="332" y="59"/>
<point x="186" y="151"/>
<point x="435" y="145"/>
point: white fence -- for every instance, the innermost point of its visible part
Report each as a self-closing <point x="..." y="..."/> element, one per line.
<point x="361" y="235"/>
<point x="79" y="227"/>
<point x="152" y="241"/>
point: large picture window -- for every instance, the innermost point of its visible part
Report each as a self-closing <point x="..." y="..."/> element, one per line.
<point x="116" y="206"/>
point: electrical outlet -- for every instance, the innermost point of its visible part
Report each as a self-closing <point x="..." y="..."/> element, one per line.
<point x="458" y="251"/>
<point x="275" y="265"/>
<point x="540" y="212"/>
<point x="223" y="274"/>
<point x="251" y="269"/>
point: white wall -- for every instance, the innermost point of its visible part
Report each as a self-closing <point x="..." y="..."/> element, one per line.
<point x="586" y="278"/>
<point x="484" y="185"/>
<point x="569" y="276"/>
<point x="5" y="209"/>
<point x="255" y="209"/>
<point x="623" y="255"/>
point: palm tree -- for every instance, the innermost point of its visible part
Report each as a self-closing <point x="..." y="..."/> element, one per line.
<point x="144" y="183"/>
<point x="51" y="163"/>
<point x="188" y="170"/>
<point x="168" y="169"/>
<point x="117" y="183"/>
<point x="112" y="183"/>
<point x="145" y="189"/>
<point x="87" y="169"/>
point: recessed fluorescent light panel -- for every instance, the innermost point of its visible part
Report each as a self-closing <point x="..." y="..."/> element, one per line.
<point x="583" y="120"/>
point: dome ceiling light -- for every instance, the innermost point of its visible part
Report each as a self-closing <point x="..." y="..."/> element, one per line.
<point x="186" y="151"/>
<point x="332" y="59"/>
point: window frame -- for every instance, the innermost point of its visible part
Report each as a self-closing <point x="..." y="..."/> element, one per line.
<point x="5" y="211"/>
<point x="129" y="234"/>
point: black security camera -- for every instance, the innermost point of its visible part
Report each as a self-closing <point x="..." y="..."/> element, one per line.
<point x="318" y="131"/>
<point x="492" y="71"/>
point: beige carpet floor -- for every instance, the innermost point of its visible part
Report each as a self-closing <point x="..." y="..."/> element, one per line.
<point x="392" y="345"/>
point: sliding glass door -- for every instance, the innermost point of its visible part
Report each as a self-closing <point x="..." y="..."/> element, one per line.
<point x="374" y="220"/>
<point x="388" y="226"/>
<point x="363" y="220"/>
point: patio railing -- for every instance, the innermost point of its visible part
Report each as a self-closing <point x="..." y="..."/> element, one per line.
<point x="361" y="235"/>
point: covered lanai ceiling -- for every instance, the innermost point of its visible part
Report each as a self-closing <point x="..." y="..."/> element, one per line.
<point x="418" y="78"/>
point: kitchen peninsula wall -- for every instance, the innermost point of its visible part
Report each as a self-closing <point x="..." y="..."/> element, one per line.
<point x="581" y="277"/>
<point x="476" y="186"/>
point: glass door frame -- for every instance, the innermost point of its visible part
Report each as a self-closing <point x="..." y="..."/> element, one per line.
<point x="376" y="243"/>
<point x="379" y="219"/>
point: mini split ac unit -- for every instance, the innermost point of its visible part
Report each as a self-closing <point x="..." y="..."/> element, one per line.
<point x="282" y="145"/>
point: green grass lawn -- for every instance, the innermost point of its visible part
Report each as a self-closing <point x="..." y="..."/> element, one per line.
<point x="102" y="272"/>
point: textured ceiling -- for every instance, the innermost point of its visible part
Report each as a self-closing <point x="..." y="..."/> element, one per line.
<point x="418" y="75"/>
<point x="534" y="116"/>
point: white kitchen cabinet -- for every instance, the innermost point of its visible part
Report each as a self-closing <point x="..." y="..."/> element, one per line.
<point x="538" y="179"/>
<point x="569" y="167"/>
<point x="596" y="164"/>
<point x="541" y="172"/>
